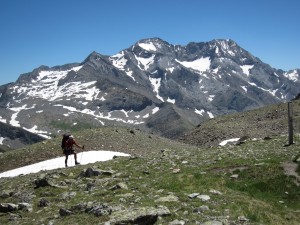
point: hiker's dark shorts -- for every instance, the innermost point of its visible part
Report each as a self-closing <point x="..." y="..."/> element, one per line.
<point x="69" y="151"/>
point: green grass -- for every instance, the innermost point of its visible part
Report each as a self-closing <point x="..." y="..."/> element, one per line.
<point x="256" y="194"/>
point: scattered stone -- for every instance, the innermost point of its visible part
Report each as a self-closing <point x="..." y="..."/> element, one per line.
<point x="67" y="195"/>
<point x="215" y="192"/>
<point x="234" y="176"/>
<point x="107" y="172"/>
<point x="267" y="138"/>
<point x="24" y="196"/>
<point x="212" y="222"/>
<point x="90" y="172"/>
<point x="25" y="207"/>
<point x="170" y="198"/>
<point x="194" y="195"/>
<point x="8" y="207"/>
<point x="119" y="186"/>
<point x="6" y="193"/>
<point x="127" y="195"/>
<point x="89" y="186"/>
<point x="64" y="212"/>
<point x="43" y="202"/>
<point x="43" y="182"/>
<point x="176" y="170"/>
<point x="139" y="216"/>
<point x="201" y="209"/>
<point x="99" y="210"/>
<point x="14" y="217"/>
<point x="204" y="198"/>
<point x="243" y="219"/>
<point x="177" y="222"/>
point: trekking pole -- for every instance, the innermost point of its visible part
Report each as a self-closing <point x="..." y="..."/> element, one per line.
<point x="70" y="156"/>
<point x="81" y="154"/>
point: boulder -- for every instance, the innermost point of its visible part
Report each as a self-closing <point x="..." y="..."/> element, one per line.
<point x="139" y="216"/>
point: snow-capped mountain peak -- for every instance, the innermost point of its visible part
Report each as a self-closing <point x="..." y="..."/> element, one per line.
<point x="152" y="84"/>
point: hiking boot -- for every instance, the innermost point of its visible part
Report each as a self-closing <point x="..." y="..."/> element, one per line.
<point x="76" y="163"/>
<point x="66" y="165"/>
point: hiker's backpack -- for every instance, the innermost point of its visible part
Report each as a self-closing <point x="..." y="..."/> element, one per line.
<point x="64" y="140"/>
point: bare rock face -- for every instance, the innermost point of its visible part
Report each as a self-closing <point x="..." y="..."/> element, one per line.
<point x="153" y="85"/>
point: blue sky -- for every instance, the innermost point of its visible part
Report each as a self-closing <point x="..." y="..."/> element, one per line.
<point x="56" y="32"/>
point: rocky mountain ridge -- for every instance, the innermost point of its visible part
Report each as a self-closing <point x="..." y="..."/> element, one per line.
<point x="153" y="85"/>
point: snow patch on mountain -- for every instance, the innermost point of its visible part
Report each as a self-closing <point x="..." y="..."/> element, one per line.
<point x="156" y="82"/>
<point x="270" y="91"/>
<point x="210" y="115"/>
<point x="54" y="75"/>
<point x="246" y="69"/>
<point x="119" y="61"/>
<point x="144" y="62"/>
<point x="46" y="87"/>
<point x="148" y="46"/>
<point x="112" y="115"/>
<point x="244" y="88"/>
<point x="130" y="74"/>
<point x="14" y="116"/>
<point x="211" y="98"/>
<point x="155" y="110"/>
<point x="202" y="111"/>
<point x="38" y="132"/>
<point x="1" y="140"/>
<point x="292" y="75"/>
<point x="2" y="120"/>
<point x="171" y="100"/>
<point x="200" y="65"/>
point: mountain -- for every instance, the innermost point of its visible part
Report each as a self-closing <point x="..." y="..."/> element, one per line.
<point x="153" y="85"/>
<point x="16" y="137"/>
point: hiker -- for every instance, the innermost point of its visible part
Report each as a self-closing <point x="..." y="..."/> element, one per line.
<point x="67" y="146"/>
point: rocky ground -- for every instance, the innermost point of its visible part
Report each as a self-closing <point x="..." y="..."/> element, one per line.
<point x="179" y="184"/>
<point x="260" y="123"/>
<point x="254" y="180"/>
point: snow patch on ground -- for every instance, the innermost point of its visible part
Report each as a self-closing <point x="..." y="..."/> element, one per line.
<point x="225" y="142"/>
<point x="83" y="157"/>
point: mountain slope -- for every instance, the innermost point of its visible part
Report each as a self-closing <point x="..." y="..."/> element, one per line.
<point x="266" y="122"/>
<point x="198" y="81"/>
<point x="164" y="182"/>
<point x="14" y="137"/>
